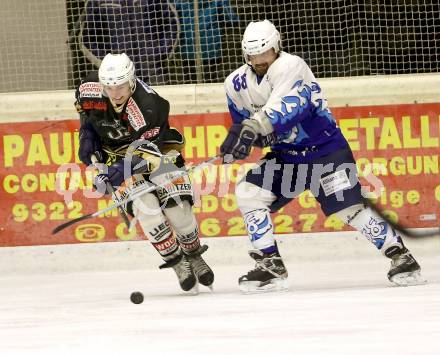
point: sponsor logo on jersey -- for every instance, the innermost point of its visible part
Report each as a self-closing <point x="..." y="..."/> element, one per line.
<point x="162" y="230"/>
<point x="135" y="115"/>
<point x="335" y="182"/>
<point x="151" y="133"/>
<point x="179" y="180"/>
<point x="166" y="245"/>
<point x="258" y="224"/>
<point x="130" y="186"/>
<point x="90" y="90"/>
<point x="94" y="105"/>
<point x="376" y="232"/>
<point x="189" y="238"/>
<point x="190" y="246"/>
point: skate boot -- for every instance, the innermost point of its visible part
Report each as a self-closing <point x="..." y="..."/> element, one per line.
<point x="182" y="268"/>
<point x="202" y="271"/>
<point x="269" y="274"/>
<point x="404" y="271"/>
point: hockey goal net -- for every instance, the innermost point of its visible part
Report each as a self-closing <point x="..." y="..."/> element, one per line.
<point x="48" y="45"/>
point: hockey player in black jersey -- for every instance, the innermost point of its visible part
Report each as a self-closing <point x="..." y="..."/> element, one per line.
<point x="124" y="122"/>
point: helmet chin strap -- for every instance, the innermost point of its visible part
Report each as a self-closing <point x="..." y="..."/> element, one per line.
<point x="118" y="107"/>
<point x="133" y="85"/>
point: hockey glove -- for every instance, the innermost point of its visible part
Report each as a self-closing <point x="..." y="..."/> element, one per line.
<point x="89" y="143"/>
<point x="114" y="174"/>
<point x="240" y="139"/>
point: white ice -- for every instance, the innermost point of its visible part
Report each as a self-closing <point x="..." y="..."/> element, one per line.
<point x="334" y="306"/>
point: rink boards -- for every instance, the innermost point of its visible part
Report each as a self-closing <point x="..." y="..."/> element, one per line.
<point x="43" y="183"/>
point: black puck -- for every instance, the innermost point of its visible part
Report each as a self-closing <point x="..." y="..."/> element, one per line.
<point x="137" y="297"/>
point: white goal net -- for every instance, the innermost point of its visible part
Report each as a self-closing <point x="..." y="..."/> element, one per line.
<point x="51" y="44"/>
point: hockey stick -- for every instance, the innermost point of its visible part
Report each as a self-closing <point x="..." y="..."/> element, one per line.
<point x="398" y="227"/>
<point x="129" y="198"/>
<point x="111" y="190"/>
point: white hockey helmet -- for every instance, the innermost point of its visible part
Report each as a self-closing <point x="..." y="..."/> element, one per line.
<point x="259" y="37"/>
<point x="116" y="69"/>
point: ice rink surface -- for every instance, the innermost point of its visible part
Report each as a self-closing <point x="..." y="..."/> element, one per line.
<point x="333" y="307"/>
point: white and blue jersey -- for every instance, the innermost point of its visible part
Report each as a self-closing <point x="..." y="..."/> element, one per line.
<point x="290" y="96"/>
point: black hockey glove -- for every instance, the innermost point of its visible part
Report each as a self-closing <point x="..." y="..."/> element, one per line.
<point x="89" y="143"/>
<point x="239" y="140"/>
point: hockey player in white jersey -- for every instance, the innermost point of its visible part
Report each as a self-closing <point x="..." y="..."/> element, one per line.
<point x="274" y="100"/>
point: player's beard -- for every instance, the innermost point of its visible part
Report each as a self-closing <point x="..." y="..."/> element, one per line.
<point x="261" y="69"/>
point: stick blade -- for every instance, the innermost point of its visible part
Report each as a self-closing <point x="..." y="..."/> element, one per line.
<point x="69" y="223"/>
<point x="431" y="232"/>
